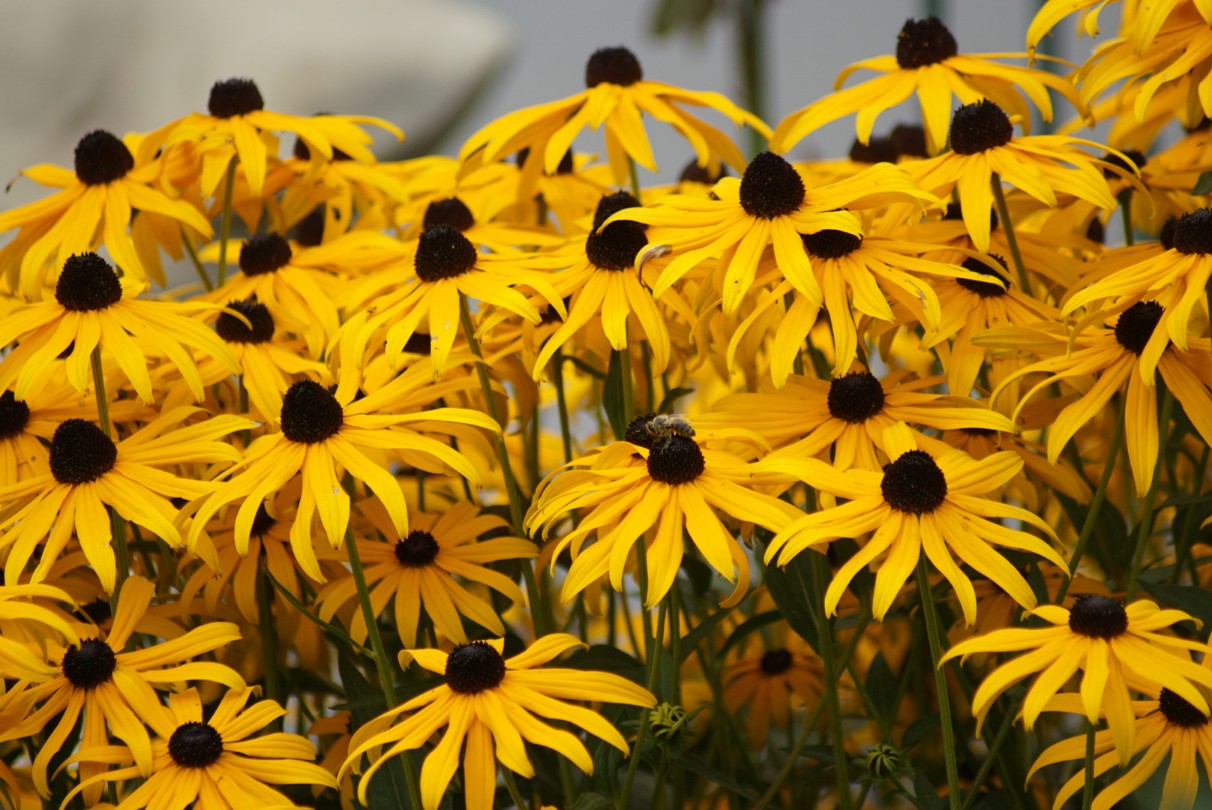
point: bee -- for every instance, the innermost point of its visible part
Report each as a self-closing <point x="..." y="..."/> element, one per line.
<point x="665" y="426"/>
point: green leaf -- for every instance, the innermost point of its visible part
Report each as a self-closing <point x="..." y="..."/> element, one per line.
<point x="750" y="625"/>
<point x="671" y="399"/>
<point x="1190" y="598"/>
<point x="919" y="730"/>
<point x="612" y="394"/>
<point x="791" y="588"/>
<point x="882" y="686"/>
<point x="691" y="640"/>
<point x="1204" y="184"/>
<point x="925" y="796"/>
<point x="604" y="658"/>
<point x="695" y="765"/>
<point x="592" y="801"/>
<point x="386" y="790"/>
<point x="699" y="573"/>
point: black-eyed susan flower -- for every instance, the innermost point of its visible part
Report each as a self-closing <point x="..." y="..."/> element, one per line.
<point x="616" y="95"/>
<point x="1117" y="648"/>
<point x="491" y="702"/>
<point x="214" y="761"/>
<point x="89" y="471"/>
<point x="417" y="572"/>
<point x="298" y="297"/>
<point x="598" y="274"/>
<point x="492" y="230"/>
<point x="26" y="423"/>
<point x="1168" y="726"/>
<point x="114" y="688"/>
<point x="771" y="205"/>
<point x="848" y="413"/>
<point x="447" y="266"/>
<point x="918" y="504"/>
<point x="983" y="144"/>
<point x="237" y="125"/>
<point x="771" y="684"/>
<point x="1124" y="358"/>
<point x="927" y="63"/>
<point x="321" y="437"/>
<point x="1181" y="272"/>
<point x="658" y="479"/>
<point x="92" y="307"/>
<point x="269" y="362"/>
<point x="94" y="205"/>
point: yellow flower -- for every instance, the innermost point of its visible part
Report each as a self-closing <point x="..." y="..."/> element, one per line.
<point x="213" y="761"/>
<point x="771" y="684"/>
<point x="491" y="702"/>
<point x="418" y="571"/>
<point x="918" y="503"/>
<point x="928" y="63"/>
<point x="1168" y="725"/>
<point x="616" y="96"/>
<point x="658" y="477"/>
<point x="983" y="143"/>
<point x="322" y="434"/>
<point x="93" y="307"/>
<point x="96" y="199"/>
<point x="1116" y="648"/>
<point x="89" y="471"/>
<point x="116" y="688"/>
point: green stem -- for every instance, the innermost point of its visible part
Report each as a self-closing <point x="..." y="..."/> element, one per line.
<point x="1125" y="211"/>
<point x="192" y="252"/>
<point x="999" y="197"/>
<point x="1182" y="549"/>
<point x="654" y="658"/>
<point x="634" y="176"/>
<point x="225" y="220"/>
<point x="751" y="54"/>
<point x="557" y="379"/>
<point x="1088" y="787"/>
<point x="512" y="786"/>
<point x="1146" y="521"/>
<point x="384" y="665"/>
<point x="542" y="617"/>
<point x="1096" y="504"/>
<point x="624" y="357"/>
<point x="269" y="639"/>
<point x="117" y="525"/>
<point x="841" y="765"/>
<point x="934" y="633"/>
<point x="994" y="755"/>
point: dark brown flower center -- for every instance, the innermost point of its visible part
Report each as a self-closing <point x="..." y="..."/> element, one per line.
<point x="14" y="415"/>
<point x="234" y="330"/>
<point x="310" y="413"/>
<point x="983" y="288"/>
<point x="1098" y="617"/>
<point x="611" y="204"/>
<point x="909" y="140"/>
<point x="264" y="253"/>
<point x="1136" y="324"/>
<point x="1138" y="162"/>
<point x="876" y="150"/>
<point x="310" y="230"/>
<point x="914" y="483"/>
<point x="1193" y="233"/>
<point x="102" y="158"/>
<point x="1179" y="712"/>
<point x="97" y="611"/>
<point x="443" y="252"/>
<point x="775" y="662"/>
<point x="615" y="65"/>
<point x="91" y="664"/>
<point x="637" y="432"/>
<point x="979" y="126"/>
<point x="262" y="522"/>
<point x="830" y="244"/>
<point x="856" y="397"/>
<point x="234" y="97"/>
<point x="417" y="550"/>
<point x="451" y="211"/>
<point x="87" y="283"/>
<point x="695" y="173"/>
<point x="924" y="42"/>
<point x="474" y="667"/>
<point x="1166" y="236"/>
<point x="566" y="165"/>
<point x="195" y="745"/>
<point x="771" y="187"/>
<point x="80" y="452"/>
<point x="615" y="246"/>
<point x="675" y="460"/>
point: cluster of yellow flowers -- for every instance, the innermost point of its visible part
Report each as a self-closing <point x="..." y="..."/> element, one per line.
<point x="488" y="413"/>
